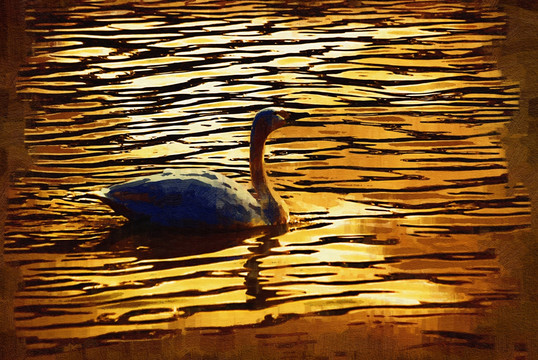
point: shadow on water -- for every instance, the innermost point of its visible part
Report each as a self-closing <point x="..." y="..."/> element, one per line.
<point x="157" y="242"/>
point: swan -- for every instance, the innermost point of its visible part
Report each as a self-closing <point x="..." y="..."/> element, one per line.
<point x="199" y="199"/>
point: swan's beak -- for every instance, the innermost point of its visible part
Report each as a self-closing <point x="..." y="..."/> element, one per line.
<point x="294" y="116"/>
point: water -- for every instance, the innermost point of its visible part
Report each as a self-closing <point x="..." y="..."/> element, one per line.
<point x="397" y="183"/>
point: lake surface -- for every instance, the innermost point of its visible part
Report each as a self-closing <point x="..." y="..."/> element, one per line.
<point x="397" y="183"/>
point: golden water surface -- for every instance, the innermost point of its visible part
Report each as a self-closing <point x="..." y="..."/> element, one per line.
<point x="396" y="183"/>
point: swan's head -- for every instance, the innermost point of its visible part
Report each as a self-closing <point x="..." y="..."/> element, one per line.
<point x="269" y="119"/>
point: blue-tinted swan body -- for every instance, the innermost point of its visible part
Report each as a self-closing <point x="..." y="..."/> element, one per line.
<point x="205" y="200"/>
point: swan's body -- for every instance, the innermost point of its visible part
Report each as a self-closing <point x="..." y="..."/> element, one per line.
<point x="186" y="199"/>
<point x="202" y="199"/>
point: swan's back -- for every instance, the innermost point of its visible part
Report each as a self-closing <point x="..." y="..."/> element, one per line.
<point x="191" y="199"/>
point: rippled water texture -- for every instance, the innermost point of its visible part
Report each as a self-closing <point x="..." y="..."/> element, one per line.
<point x="397" y="182"/>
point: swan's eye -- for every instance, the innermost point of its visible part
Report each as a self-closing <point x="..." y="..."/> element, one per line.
<point x="284" y="114"/>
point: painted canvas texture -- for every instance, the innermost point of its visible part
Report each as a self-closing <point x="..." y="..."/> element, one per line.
<point x="268" y="179"/>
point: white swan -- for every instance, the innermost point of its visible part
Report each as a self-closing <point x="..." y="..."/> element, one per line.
<point x="205" y="200"/>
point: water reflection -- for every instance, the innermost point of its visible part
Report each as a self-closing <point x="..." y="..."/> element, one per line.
<point x="396" y="182"/>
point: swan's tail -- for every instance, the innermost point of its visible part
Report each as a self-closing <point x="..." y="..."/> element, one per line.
<point x="102" y="197"/>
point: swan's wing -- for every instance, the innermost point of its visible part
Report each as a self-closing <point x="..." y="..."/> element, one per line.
<point x="188" y="199"/>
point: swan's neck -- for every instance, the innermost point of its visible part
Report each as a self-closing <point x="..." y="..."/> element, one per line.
<point x="273" y="210"/>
